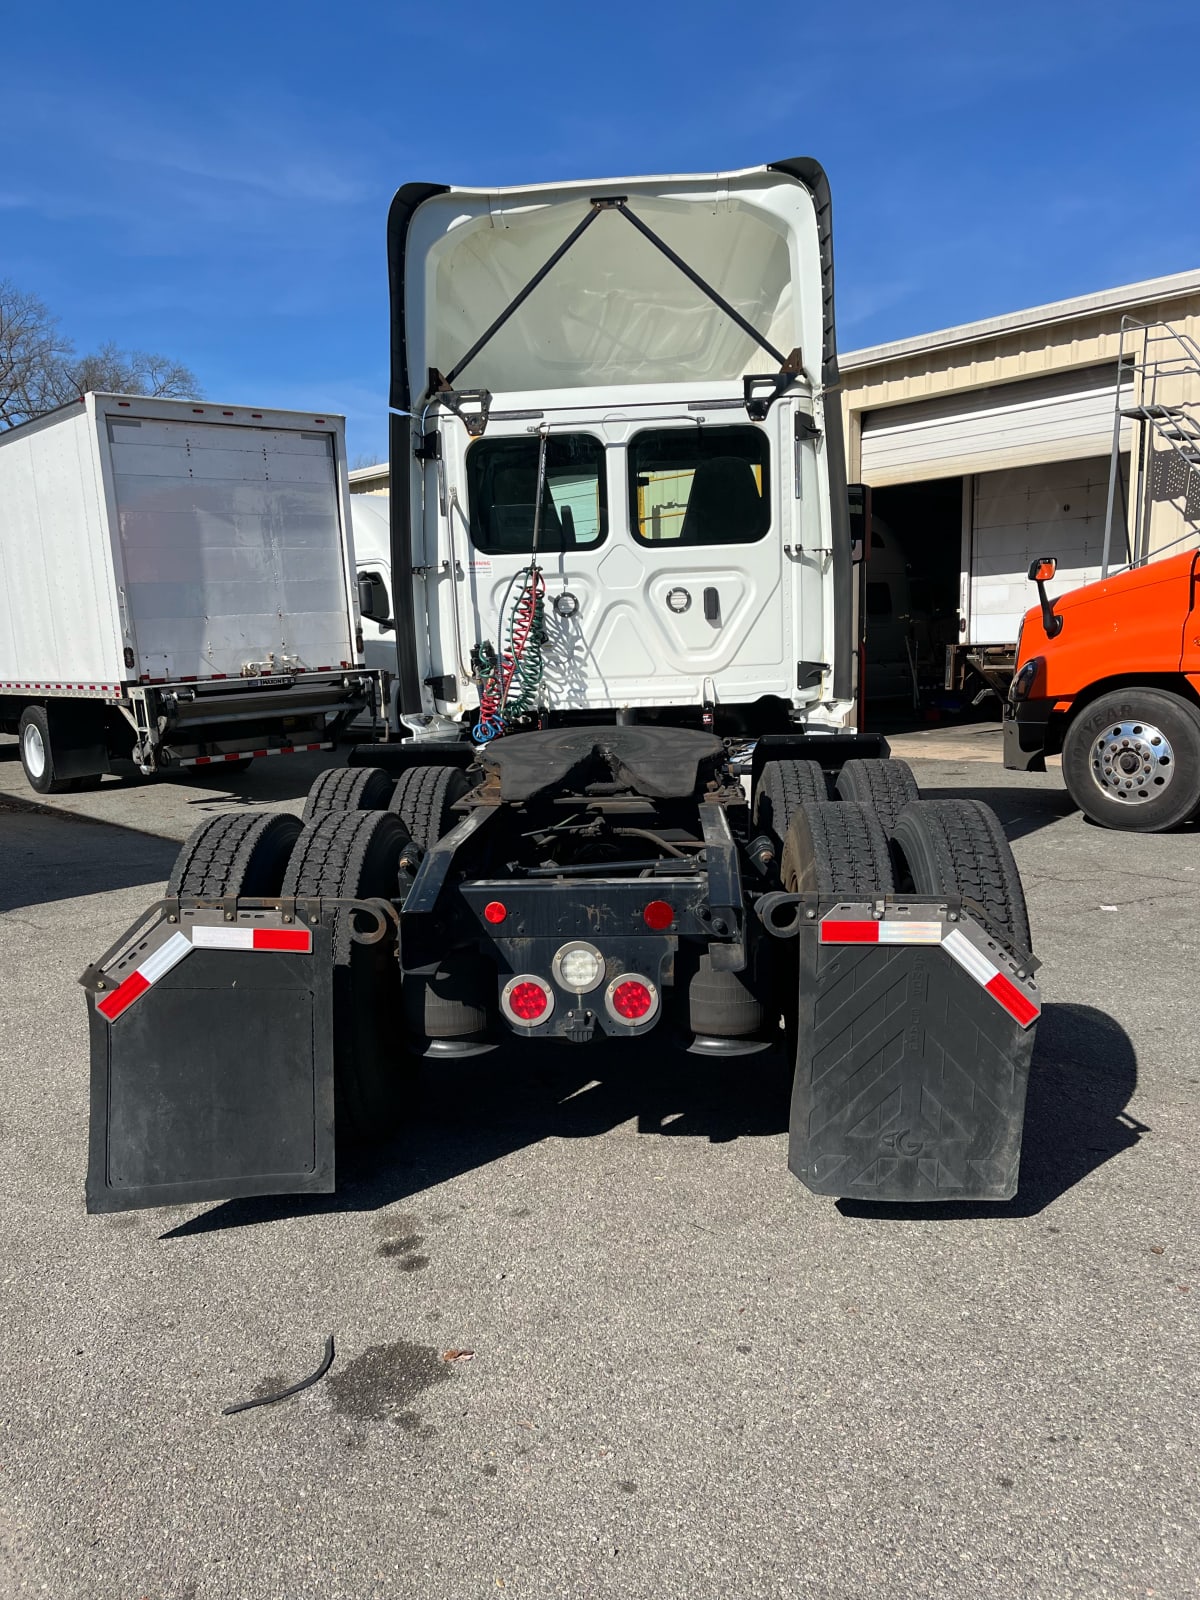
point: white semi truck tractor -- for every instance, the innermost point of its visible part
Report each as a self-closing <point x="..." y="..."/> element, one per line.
<point x="622" y="557"/>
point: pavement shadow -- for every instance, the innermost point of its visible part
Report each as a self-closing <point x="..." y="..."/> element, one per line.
<point x="468" y="1115"/>
<point x="46" y="856"/>
<point x="1021" y="811"/>
<point x="1083" y="1076"/>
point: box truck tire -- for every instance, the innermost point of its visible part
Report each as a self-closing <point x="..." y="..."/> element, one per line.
<point x="959" y="847"/>
<point x="37" y="755"/>
<point x="1131" y="760"/>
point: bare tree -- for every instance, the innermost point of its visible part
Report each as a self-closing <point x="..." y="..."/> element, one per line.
<point x="366" y="459"/>
<point x="39" y="367"/>
<point x="33" y="354"/>
<point x="115" y="371"/>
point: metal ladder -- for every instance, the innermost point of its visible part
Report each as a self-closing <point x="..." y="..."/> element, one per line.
<point x="1155" y="357"/>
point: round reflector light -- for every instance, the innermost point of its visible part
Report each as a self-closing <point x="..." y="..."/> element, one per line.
<point x="526" y="1000"/>
<point x="578" y="967"/>
<point x="658" y="915"/>
<point x="495" y="911"/>
<point x="631" y="998"/>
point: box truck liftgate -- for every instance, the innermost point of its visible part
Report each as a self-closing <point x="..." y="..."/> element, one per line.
<point x="213" y="1031"/>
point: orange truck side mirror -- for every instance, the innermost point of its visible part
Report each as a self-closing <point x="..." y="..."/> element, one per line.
<point x="1040" y="572"/>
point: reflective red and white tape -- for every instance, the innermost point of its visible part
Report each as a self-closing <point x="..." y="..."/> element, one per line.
<point x="953" y="941"/>
<point x="245" y="755"/>
<point x="179" y="945"/>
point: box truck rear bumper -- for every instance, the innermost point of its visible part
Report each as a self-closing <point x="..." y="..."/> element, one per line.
<point x="185" y="705"/>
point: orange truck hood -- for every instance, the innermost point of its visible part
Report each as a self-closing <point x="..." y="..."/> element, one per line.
<point x="1134" y="622"/>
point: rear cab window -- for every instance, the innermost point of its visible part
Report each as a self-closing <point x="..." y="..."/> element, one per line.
<point x="502" y="489"/>
<point x="700" y="485"/>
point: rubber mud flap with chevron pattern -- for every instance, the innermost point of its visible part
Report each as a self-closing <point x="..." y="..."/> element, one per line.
<point x="912" y="1062"/>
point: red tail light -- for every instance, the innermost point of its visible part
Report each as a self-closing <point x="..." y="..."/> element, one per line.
<point x="495" y="911"/>
<point x="526" y="1000"/>
<point x="658" y="915"/>
<point x="631" y="998"/>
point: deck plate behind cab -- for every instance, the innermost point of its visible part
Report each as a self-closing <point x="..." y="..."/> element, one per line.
<point x="663" y="763"/>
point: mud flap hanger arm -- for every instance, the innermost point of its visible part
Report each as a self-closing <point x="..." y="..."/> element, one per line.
<point x="757" y="403"/>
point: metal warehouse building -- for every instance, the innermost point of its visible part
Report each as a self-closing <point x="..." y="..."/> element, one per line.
<point x="989" y="444"/>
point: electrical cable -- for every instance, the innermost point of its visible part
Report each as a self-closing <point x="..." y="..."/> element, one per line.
<point x="295" y="1388"/>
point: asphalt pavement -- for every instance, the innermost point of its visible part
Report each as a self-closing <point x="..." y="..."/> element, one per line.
<point x="687" y="1375"/>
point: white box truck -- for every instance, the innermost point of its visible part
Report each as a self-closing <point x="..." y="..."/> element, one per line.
<point x="176" y="587"/>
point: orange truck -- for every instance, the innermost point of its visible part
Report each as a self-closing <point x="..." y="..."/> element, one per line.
<point x="1109" y="675"/>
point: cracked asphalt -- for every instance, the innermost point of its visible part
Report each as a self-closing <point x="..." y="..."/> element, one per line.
<point x="683" y="1374"/>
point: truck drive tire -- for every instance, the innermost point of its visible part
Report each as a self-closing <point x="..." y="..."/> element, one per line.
<point x="235" y="855"/>
<point x="837" y="848"/>
<point x="1131" y="760"/>
<point x="423" y="799"/>
<point x="959" y="847"/>
<point x="782" y="788"/>
<point x="356" y="855"/>
<point x="887" y="786"/>
<point x="37" y="754"/>
<point x="348" y="789"/>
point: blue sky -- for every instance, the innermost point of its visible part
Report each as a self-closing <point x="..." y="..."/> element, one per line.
<point x="212" y="180"/>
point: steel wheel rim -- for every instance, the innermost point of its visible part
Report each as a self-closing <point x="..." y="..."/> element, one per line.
<point x="1132" y="762"/>
<point x="33" y="748"/>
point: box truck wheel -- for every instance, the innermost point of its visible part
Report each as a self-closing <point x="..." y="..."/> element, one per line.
<point x="959" y="847"/>
<point x="886" y="786"/>
<point x="356" y="855"/>
<point x="37" y="755"/>
<point x="234" y="855"/>
<point x="1132" y="760"/>
<point x="424" y="797"/>
<point x="782" y="788"/>
<point x="348" y="789"/>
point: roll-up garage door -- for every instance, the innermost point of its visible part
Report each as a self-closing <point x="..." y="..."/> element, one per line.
<point x="1059" y="417"/>
<point x="1017" y="515"/>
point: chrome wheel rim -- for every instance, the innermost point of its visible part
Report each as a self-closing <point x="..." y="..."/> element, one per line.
<point x="33" y="748"/>
<point x="1132" y="762"/>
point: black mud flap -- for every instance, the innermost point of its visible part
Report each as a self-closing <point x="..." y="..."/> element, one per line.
<point x="212" y="1058"/>
<point x="915" y="1034"/>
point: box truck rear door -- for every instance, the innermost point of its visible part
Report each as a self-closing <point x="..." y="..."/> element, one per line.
<point x="232" y="544"/>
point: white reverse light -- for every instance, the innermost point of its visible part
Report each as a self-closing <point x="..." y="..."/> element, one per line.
<point x="578" y="967"/>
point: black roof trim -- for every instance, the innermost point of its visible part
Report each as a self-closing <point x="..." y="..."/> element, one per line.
<point x="811" y="174"/>
<point x="400" y="215"/>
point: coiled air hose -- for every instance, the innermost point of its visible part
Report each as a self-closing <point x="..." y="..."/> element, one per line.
<point x="511" y="685"/>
